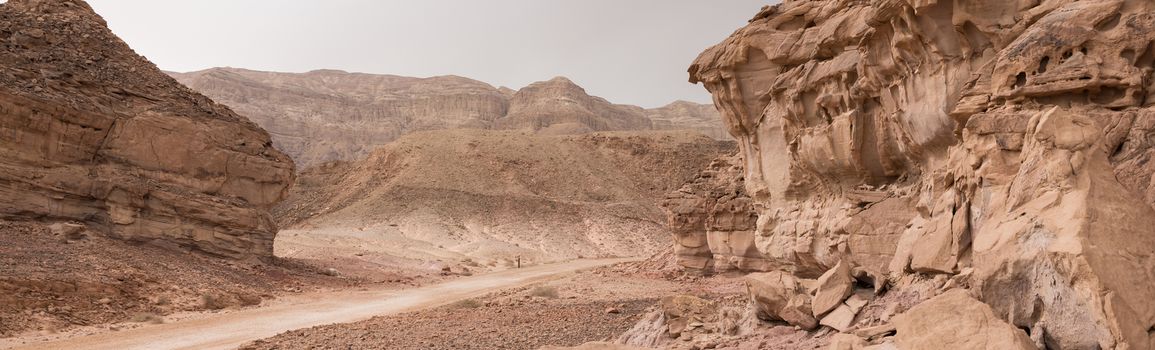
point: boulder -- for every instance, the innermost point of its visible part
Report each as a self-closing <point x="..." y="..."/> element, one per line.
<point x="833" y="287"/>
<point x="780" y="296"/>
<point x="955" y="320"/>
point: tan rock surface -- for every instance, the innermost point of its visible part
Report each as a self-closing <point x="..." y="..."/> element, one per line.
<point x="779" y="296"/>
<point x="833" y="287"/>
<point x="713" y="221"/>
<point x="684" y="115"/>
<point x="329" y="115"/>
<point x="1004" y="139"/>
<point x="956" y="321"/>
<point x="96" y="133"/>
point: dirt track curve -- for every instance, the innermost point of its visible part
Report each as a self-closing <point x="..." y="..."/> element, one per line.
<point x="230" y="330"/>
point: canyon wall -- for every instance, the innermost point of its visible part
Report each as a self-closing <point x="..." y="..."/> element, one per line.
<point x="93" y="132"/>
<point x="1004" y="145"/>
<point x="330" y="115"/>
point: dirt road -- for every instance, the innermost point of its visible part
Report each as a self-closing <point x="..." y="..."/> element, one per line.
<point x="230" y="330"/>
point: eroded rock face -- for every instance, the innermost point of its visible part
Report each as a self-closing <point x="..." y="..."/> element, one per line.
<point x="713" y="221"/>
<point x="329" y="115"/>
<point x="95" y="133"/>
<point x="1004" y="138"/>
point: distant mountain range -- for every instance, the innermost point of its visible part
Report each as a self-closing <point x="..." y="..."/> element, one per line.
<point x="328" y="115"/>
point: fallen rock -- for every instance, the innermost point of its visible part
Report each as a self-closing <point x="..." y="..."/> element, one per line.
<point x="833" y="287"/>
<point x="780" y="296"/>
<point x="840" y="319"/>
<point x="71" y="231"/>
<point x="957" y="321"/>
<point x="682" y="310"/>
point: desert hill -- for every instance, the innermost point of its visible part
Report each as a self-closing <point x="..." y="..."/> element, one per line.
<point x="328" y="115"/>
<point x="97" y="134"/>
<point x="112" y="174"/>
<point x="490" y="196"/>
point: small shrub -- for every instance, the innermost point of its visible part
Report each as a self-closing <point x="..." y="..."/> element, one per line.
<point x="146" y="317"/>
<point x="544" y="292"/>
<point x="249" y="299"/>
<point x="467" y="304"/>
<point x="213" y="302"/>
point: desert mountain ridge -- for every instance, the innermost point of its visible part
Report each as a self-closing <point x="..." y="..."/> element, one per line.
<point x="491" y="196"/>
<point x="327" y="115"/>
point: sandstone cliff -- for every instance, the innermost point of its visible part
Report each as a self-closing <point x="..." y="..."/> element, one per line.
<point x="1001" y="145"/>
<point x="93" y="132"/>
<point x="330" y="115"/>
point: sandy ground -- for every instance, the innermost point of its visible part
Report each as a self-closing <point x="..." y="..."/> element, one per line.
<point x="594" y="305"/>
<point x="229" y="330"/>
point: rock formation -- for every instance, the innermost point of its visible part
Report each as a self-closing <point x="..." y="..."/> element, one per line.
<point x="93" y="132"/>
<point x="683" y="115"/>
<point x="558" y="106"/>
<point x="329" y="115"/>
<point x="1002" y="146"/>
<point x="713" y="221"/>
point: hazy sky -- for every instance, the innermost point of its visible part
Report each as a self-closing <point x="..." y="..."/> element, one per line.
<point x="628" y="51"/>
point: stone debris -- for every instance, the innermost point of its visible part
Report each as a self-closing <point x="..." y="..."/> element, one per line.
<point x="833" y="287"/>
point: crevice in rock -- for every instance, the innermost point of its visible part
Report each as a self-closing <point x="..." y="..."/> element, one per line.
<point x="1020" y="80"/>
<point x="1109" y="23"/>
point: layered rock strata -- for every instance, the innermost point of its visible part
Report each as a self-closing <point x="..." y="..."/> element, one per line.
<point x="330" y="115"/>
<point x="1004" y="145"/>
<point x="93" y="132"/>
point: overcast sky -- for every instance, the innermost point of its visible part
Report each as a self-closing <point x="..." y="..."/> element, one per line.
<point x="628" y="51"/>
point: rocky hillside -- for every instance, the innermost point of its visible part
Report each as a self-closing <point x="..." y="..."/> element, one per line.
<point x="558" y="106"/>
<point x="329" y="115"/>
<point x="491" y="196"/>
<point x="96" y="134"/>
<point x="684" y="115"/>
<point x="990" y="156"/>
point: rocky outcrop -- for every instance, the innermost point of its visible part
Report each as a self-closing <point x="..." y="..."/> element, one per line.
<point x="558" y="106"/>
<point x="713" y="221"/>
<point x="1001" y="144"/>
<point x="683" y="115"/>
<point x="330" y="115"/>
<point x="95" y="133"/>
